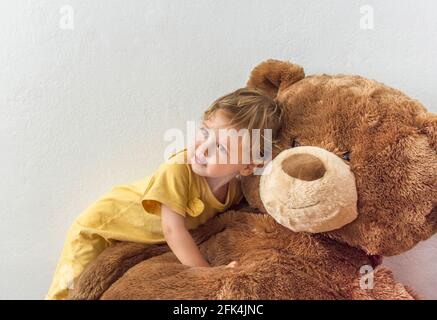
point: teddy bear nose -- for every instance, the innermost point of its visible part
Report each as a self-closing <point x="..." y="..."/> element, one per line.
<point x="304" y="167"/>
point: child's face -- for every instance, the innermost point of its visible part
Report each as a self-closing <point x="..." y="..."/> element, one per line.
<point x="215" y="152"/>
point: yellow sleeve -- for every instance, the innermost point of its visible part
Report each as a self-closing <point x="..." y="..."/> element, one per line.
<point x="169" y="185"/>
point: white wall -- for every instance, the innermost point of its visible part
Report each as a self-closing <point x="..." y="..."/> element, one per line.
<point x="84" y="109"/>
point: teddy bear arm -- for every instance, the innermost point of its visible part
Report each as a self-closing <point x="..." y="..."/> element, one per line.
<point x="109" y="266"/>
<point x="219" y="224"/>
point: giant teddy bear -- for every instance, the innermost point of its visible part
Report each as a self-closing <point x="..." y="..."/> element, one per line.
<point x="354" y="178"/>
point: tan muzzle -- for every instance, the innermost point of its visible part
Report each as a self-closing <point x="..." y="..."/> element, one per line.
<point x="309" y="189"/>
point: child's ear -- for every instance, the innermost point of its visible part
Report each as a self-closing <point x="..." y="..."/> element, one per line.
<point x="271" y="75"/>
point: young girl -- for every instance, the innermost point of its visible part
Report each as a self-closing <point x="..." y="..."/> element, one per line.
<point x="184" y="192"/>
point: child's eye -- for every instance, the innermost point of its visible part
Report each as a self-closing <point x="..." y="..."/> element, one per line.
<point x="204" y="132"/>
<point x="222" y="148"/>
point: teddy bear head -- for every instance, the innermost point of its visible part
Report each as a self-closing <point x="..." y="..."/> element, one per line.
<point x="356" y="160"/>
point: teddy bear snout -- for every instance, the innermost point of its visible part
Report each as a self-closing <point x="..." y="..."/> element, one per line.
<point x="309" y="189"/>
<point x="304" y="167"/>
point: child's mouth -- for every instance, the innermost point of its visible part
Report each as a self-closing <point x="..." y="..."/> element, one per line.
<point x="199" y="161"/>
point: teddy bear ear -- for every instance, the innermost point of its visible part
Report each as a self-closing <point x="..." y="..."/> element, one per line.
<point x="272" y="75"/>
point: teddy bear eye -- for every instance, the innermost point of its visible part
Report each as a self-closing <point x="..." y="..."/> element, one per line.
<point x="346" y="156"/>
<point x="295" y="143"/>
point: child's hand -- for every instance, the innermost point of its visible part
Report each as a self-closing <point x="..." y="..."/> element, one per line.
<point x="233" y="264"/>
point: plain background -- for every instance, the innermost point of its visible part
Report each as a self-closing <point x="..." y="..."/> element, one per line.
<point x="84" y="109"/>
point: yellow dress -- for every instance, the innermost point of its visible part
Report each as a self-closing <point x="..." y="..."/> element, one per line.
<point x="131" y="212"/>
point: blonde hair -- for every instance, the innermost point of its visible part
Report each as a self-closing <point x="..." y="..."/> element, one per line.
<point x="251" y="109"/>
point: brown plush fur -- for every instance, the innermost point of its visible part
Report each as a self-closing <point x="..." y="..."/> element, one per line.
<point x="391" y="142"/>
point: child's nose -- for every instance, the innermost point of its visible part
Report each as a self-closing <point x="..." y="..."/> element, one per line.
<point x="203" y="147"/>
<point x="202" y="150"/>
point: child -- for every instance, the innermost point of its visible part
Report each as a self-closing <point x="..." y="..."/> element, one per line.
<point x="183" y="193"/>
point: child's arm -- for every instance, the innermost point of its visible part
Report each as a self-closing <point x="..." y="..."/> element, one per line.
<point x="180" y="240"/>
